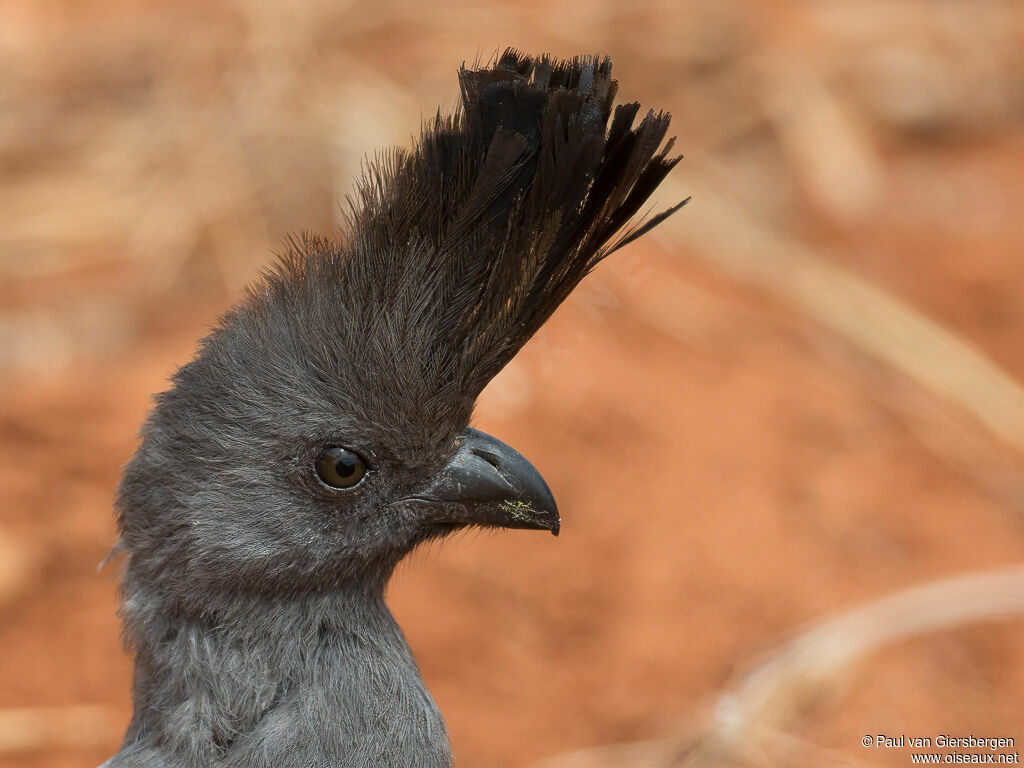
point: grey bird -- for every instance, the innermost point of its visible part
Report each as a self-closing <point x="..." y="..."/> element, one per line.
<point x="321" y="432"/>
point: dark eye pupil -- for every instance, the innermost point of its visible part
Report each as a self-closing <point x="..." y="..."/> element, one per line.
<point x="345" y="467"/>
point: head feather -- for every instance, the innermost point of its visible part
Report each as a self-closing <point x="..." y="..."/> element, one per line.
<point x="457" y="251"/>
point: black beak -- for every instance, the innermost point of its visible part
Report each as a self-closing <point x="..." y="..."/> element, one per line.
<point x="488" y="482"/>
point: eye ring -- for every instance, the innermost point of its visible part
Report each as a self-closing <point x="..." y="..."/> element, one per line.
<point x="340" y="468"/>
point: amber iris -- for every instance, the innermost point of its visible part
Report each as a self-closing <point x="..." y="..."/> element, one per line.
<point x="340" y="468"/>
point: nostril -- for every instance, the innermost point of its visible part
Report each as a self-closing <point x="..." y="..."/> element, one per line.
<point x="487" y="456"/>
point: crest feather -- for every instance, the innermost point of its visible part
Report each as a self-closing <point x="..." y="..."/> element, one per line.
<point x="469" y="242"/>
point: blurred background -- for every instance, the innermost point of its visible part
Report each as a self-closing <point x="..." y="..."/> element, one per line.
<point x="798" y="399"/>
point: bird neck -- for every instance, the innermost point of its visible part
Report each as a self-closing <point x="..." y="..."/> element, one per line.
<point x="321" y="679"/>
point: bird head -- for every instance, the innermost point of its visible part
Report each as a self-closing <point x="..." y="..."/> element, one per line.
<point x="322" y="430"/>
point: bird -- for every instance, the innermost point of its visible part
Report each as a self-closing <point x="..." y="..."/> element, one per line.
<point x="321" y="432"/>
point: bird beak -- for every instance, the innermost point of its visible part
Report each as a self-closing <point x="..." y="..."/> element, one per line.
<point x="488" y="482"/>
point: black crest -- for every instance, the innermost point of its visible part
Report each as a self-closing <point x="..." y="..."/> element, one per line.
<point x="460" y="249"/>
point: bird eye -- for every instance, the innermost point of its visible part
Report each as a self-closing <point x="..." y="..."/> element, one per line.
<point x="340" y="468"/>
